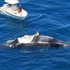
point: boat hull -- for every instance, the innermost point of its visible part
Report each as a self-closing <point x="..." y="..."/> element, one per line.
<point x="3" y="12"/>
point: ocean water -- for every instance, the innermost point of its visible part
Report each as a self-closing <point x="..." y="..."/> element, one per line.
<point x="49" y="17"/>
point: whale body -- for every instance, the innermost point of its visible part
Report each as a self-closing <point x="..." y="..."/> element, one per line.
<point x="40" y="40"/>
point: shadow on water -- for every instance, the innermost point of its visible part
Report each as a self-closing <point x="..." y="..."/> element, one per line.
<point x="27" y="49"/>
<point x="40" y="50"/>
<point x="32" y="49"/>
<point x="15" y="23"/>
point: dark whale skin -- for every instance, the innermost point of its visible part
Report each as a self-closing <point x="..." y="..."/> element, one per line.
<point x="42" y="40"/>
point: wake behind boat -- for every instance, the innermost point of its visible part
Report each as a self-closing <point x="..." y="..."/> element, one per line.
<point x="13" y="9"/>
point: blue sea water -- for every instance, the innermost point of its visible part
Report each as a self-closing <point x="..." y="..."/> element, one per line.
<point x="49" y="17"/>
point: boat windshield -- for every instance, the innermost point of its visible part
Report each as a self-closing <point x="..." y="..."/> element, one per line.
<point x="14" y="7"/>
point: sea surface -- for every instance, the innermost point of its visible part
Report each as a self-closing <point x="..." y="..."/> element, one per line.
<point x="49" y="17"/>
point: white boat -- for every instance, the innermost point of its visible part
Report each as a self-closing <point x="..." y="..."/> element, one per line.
<point x="12" y="9"/>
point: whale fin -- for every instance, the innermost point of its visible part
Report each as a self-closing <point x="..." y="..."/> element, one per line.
<point x="37" y="33"/>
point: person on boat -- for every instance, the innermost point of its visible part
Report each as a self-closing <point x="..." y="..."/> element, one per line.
<point x="9" y="5"/>
<point x="19" y="9"/>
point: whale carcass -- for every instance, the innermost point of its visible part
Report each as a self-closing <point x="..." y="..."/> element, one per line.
<point x="35" y="40"/>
